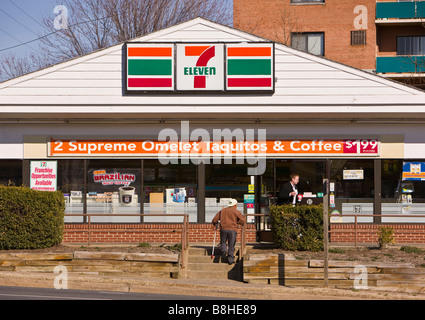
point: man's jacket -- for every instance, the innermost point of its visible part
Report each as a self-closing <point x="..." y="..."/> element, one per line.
<point x="229" y="219"/>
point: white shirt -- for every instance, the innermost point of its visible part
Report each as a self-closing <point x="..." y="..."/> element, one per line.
<point x="294" y="200"/>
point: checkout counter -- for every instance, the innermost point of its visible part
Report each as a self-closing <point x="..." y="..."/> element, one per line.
<point x="309" y="199"/>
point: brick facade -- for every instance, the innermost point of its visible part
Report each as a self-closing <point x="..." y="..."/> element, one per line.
<point x="139" y="233"/>
<point x="277" y="19"/>
<point x="203" y="233"/>
<point x="368" y="233"/>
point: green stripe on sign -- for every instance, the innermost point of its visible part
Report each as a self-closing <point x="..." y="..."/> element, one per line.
<point x="237" y="67"/>
<point x="149" y="67"/>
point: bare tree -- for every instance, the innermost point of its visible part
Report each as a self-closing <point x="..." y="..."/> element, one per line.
<point x="284" y="25"/>
<point x="96" y="24"/>
<point x="12" y="66"/>
<point x="88" y="29"/>
<point x="278" y="28"/>
<point x="135" y="18"/>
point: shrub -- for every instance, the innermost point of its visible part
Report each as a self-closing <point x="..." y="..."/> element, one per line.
<point x="409" y="249"/>
<point x="30" y="219"/>
<point x="297" y="228"/>
<point x="385" y="236"/>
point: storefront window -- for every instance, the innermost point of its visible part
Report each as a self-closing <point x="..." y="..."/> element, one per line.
<point x="222" y="182"/>
<point x="114" y="188"/>
<point x="403" y="191"/>
<point x="354" y="188"/>
<point x="311" y="174"/>
<point x="283" y="170"/>
<point x="170" y="189"/>
<point x="267" y="188"/>
<point x="71" y="183"/>
<point x="10" y="172"/>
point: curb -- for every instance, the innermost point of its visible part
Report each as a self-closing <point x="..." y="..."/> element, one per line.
<point x="194" y="287"/>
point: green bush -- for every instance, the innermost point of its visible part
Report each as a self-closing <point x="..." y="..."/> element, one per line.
<point x="385" y="236"/>
<point x="297" y="228"/>
<point x="30" y="219"/>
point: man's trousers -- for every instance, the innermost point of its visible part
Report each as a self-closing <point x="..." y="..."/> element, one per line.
<point x="227" y="243"/>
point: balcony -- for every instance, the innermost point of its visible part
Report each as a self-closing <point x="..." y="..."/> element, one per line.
<point x="400" y="10"/>
<point x="400" y="64"/>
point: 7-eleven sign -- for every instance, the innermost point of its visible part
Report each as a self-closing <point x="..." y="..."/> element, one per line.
<point x="200" y="67"/>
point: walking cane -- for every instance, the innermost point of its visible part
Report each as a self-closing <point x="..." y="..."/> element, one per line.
<point x="215" y="233"/>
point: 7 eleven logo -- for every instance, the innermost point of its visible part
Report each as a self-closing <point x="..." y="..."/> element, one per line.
<point x="200" y="67"/>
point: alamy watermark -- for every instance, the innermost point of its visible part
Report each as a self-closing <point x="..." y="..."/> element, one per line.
<point x="360" y="281"/>
<point x="61" y="20"/>
<point x="222" y="146"/>
<point x="61" y="280"/>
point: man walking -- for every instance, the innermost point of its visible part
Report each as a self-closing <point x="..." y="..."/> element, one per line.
<point x="229" y="219"/>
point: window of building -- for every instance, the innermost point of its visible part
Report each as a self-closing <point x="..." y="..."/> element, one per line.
<point x="353" y="187"/>
<point x="114" y="188"/>
<point x="309" y="42"/>
<point x="71" y="183"/>
<point x="224" y="181"/>
<point x="358" y="37"/>
<point x="403" y="191"/>
<point x="170" y="189"/>
<point x="411" y="45"/>
<point x="10" y="172"/>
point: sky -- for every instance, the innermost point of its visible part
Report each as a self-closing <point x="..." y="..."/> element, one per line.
<point x="20" y="21"/>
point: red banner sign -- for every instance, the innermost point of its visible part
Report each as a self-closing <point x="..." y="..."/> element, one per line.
<point x="269" y="148"/>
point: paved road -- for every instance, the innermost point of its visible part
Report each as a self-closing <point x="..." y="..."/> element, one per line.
<point x="23" y="293"/>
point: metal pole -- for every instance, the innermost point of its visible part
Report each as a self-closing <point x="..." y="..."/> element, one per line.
<point x="355" y="231"/>
<point x="89" y="230"/>
<point x="85" y="190"/>
<point x="326" y="231"/>
<point x="243" y="239"/>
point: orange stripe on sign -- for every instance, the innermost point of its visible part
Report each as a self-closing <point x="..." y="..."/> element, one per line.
<point x="249" y="52"/>
<point x="150" y="52"/>
<point x="195" y="50"/>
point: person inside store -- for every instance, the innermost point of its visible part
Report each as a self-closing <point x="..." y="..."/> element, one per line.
<point x="228" y="218"/>
<point x="289" y="191"/>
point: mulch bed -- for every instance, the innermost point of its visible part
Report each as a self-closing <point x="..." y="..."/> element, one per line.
<point x="408" y="254"/>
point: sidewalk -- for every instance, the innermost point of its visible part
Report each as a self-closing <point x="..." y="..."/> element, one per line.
<point x="220" y="289"/>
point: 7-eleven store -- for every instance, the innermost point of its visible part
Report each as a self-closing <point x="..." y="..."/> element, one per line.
<point x="143" y="128"/>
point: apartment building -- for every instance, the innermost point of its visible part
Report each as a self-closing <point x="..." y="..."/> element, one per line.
<point x="382" y="36"/>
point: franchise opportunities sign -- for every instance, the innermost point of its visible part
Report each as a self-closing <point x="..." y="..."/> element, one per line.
<point x="43" y="175"/>
<point x="194" y="67"/>
<point x="210" y="149"/>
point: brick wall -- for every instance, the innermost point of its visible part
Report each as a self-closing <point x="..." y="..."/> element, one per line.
<point x="203" y="233"/>
<point x="368" y="233"/>
<point x="138" y="233"/>
<point x="277" y="19"/>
